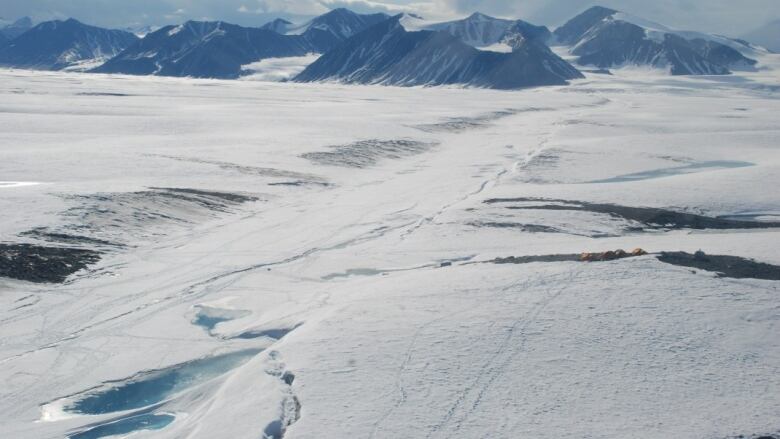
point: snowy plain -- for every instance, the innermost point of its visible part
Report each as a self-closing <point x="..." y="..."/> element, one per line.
<point x="353" y="295"/>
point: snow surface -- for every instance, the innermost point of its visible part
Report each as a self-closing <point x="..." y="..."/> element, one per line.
<point x="277" y="69"/>
<point x="498" y="47"/>
<point x="414" y="23"/>
<point x="86" y="64"/>
<point x="10" y="184"/>
<point x="342" y="275"/>
<point x="175" y="30"/>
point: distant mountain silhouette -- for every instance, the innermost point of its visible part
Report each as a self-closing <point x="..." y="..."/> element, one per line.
<point x="607" y="38"/>
<point x="219" y="50"/>
<point x="17" y="28"/>
<point x="328" y="30"/>
<point x="481" y="30"/>
<point x="389" y="54"/>
<point x="280" y="26"/>
<point x="56" y="45"/>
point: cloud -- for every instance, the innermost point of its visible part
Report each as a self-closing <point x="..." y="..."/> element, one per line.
<point x="722" y="16"/>
<point x="367" y="7"/>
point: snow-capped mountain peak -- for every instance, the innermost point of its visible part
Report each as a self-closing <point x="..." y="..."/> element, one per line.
<point x="57" y="45"/>
<point x="476" y="30"/>
<point x="413" y="22"/>
<point x="280" y="26"/>
<point x="341" y="23"/>
<point x="483" y="31"/>
<point x="390" y="54"/>
<point x="609" y="38"/>
<point x="13" y="29"/>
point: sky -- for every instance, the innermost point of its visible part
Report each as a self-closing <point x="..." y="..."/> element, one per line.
<point x="727" y="17"/>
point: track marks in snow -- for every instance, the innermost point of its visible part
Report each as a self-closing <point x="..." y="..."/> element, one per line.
<point x="432" y="218"/>
<point x="513" y="344"/>
<point x="399" y="380"/>
<point x="290" y="410"/>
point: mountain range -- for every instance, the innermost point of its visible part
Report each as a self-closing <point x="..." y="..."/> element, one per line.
<point x="280" y="26"/>
<point x="608" y="38"/>
<point x="479" y="50"/>
<point x="328" y="30"/>
<point x="59" y="45"/>
<point x="389" y="54"/>
<point x="219" y="50"/>
<point x="18" y="27"/>
<point x="480" y="30"/>
<point x="202" y="50"/>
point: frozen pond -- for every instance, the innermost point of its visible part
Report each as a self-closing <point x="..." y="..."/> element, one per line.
<point x="208" y="317"/>
<point x="156" y="386"/>
<point x="125" y="426"/>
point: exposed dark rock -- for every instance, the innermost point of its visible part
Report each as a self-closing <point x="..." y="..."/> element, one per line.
<point x="530" y="228"/>
<point x="583" y="257"/>
<point x="226" y="196"/>
<point x="40" y="264"/>
<point x="723" y="265"/>
<point x="254" y="170"/>
<point x="461" y="124"/>
<point x="103" y="94"/>
<point x="118" y="216"/>
<point x="650" y="217"/>
<point x="366" y="153"/>
<point x="537" y="258"/>
<point x="65" y="238"/>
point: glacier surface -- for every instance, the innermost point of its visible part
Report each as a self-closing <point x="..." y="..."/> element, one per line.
<point x="256" y="283"/>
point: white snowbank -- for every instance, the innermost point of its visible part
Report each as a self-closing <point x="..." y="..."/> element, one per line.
<point x="277" y="69"/>
<point x="12" y="184"/>
<point x="498" y="47"/>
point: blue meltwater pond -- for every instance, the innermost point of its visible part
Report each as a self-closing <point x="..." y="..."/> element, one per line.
<point x="152" y="387"/>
